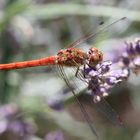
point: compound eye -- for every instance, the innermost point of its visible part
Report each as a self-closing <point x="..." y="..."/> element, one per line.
<point x="100" y="56"/>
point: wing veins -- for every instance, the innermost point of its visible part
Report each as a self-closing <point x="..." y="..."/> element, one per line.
<point x="83" y="110"/>
<point x="90" y="35"/>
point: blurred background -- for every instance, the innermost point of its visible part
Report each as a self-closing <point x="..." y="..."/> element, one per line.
<point x="35" y="103"/>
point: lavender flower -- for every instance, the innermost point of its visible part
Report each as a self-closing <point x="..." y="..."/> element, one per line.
<point x="102" y="78"/>
<point x="12" y="124"/>
<point x="56" y="135"/>
<point x="130" y="57"/>
<point x="56" y="105"/>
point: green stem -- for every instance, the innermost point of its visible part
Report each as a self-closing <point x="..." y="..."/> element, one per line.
<point x="55" y="10"/>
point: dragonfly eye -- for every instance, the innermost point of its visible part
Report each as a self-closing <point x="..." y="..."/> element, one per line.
<point x="100" y="56"/>
<point x="95" y="56"/>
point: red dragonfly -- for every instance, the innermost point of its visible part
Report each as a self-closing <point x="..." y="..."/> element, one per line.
<point x="70" y="57"/>
<point x="73" y="57"/>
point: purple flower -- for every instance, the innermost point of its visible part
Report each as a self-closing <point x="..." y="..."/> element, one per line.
<point x="7" y="110"/>
<point x="130" y="56"/>
<point x="56" y="135"/>
<point x="20" y="128"/>
<point x="11" y="123"/>
<point x="102" y="78"/>
<point x="107" y="74"/>
<point x="56" y="105"/>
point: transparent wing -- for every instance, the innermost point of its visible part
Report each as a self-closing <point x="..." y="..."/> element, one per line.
<point x="91" y="35"/>
<point x="83" y="110"/>
<point x="104" y="107"/>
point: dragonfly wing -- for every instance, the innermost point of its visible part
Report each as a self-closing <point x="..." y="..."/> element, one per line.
<point x="104" y="107"/>
<point x="92" y="35"/>
<point x="83" y="110"/>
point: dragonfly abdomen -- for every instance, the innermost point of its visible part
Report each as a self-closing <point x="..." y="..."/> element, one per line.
<point x="33" y="63"/>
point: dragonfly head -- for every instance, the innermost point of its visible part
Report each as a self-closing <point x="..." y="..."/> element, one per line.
<point x="95" y="56"/>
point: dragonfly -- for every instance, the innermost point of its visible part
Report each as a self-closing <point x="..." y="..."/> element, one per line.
<point x="73" y="57"/>
<point x="70" y="57"/>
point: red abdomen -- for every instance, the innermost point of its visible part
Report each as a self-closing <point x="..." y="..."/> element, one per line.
<point x="33" y="63"/>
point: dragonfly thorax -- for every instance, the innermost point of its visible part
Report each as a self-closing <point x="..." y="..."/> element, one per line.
<point x="77" y="57"/>
<point x="71" y="57"/>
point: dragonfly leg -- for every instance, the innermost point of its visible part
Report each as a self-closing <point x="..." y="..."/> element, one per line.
<point x="84" y="71"/>
<point x="77" y="71"/>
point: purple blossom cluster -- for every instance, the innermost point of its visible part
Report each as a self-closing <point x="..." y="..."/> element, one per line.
<point x="55" y="135"/>
<point x="102" y="77"/>
<point x="130" y="57"/>
<point x="13" y="124"/>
